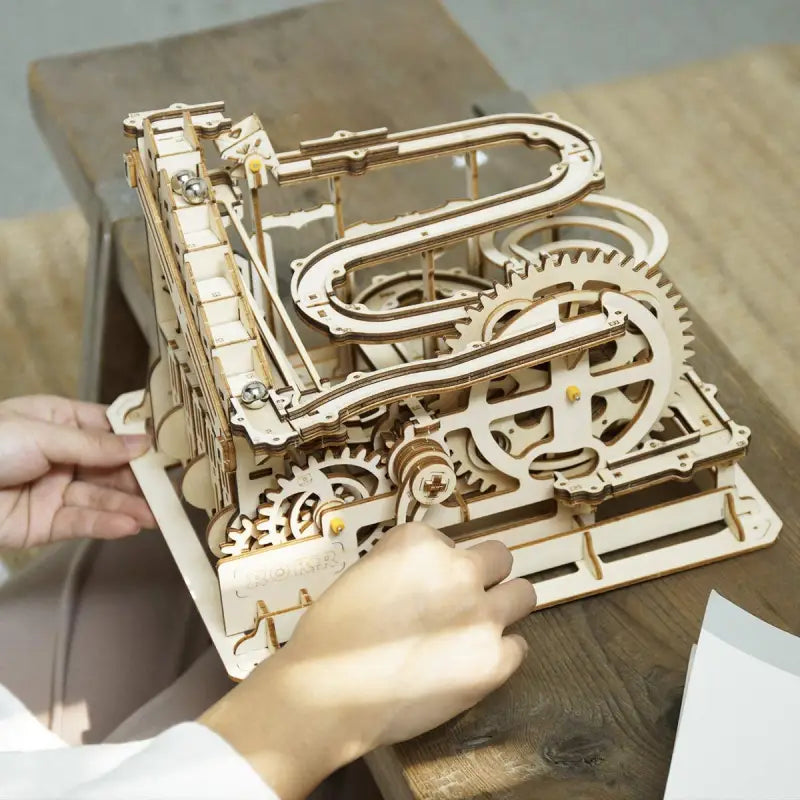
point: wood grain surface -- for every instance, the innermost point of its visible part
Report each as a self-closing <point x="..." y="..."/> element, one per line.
<point x="43" y="261"/>
<point x="712" y="149"/>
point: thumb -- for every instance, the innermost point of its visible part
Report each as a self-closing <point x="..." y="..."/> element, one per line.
<point x="63" y="444"/>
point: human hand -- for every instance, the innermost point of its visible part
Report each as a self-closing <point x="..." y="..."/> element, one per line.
<point x="63" y="474"/>
<point x="406" y="639"/>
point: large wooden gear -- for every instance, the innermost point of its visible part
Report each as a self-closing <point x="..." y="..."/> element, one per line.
<point x="513" y="366"/>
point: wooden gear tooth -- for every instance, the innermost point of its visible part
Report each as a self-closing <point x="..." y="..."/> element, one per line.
<point x="239" y="540"/>
<point x="510" y="409"/>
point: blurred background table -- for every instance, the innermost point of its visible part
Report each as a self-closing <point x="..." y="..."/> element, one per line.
<point x="592" y="714"/>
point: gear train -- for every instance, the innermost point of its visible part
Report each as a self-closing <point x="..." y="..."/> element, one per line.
<point x="513" y="366"/>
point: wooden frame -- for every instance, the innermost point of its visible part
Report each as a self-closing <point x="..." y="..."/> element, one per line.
<point x="512" y="366"/>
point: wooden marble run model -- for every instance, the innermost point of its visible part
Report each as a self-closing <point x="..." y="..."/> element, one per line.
<point x="510" y="367"/>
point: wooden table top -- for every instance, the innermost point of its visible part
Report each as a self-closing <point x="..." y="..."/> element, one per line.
<point x="592" y="713"/>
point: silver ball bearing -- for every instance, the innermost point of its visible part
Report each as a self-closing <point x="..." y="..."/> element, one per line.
<point x="180" y="178"/>
<point x="195" y="191"/>
<point x="254" y="394"/>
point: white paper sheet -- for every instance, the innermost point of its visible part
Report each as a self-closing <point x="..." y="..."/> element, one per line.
<point x="739" y="730"/>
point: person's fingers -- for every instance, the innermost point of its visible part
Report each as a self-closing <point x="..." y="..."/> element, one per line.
<point x="121" y="478"/>
<point x="71" y="522"/>
<point x="493" y="559"/>
<point x="513" y="649"/>
<point x="63" y="444"/>
<point x="45" y="407"/>
<point x="91" y="415"/>
<point x="103" y="498"/>
<point x="52" y="408"/>
<point x="511" y="601"/>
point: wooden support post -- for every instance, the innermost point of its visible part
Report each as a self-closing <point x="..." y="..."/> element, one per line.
<point x="262" y="250"/>
<point x="346" y="353"/>
<point x="429" y="343"/>
<point x="335" y="186"/>
<point x="336" y="198"/>
<point x="471" y="163"/>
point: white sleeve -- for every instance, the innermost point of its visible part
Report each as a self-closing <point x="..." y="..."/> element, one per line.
<point x="187" y="761"/>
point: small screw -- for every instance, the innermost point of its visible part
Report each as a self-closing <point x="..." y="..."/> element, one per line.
<point x="254" y="394"/>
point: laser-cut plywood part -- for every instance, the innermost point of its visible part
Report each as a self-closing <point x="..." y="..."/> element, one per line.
<point x="513" y="366"/>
